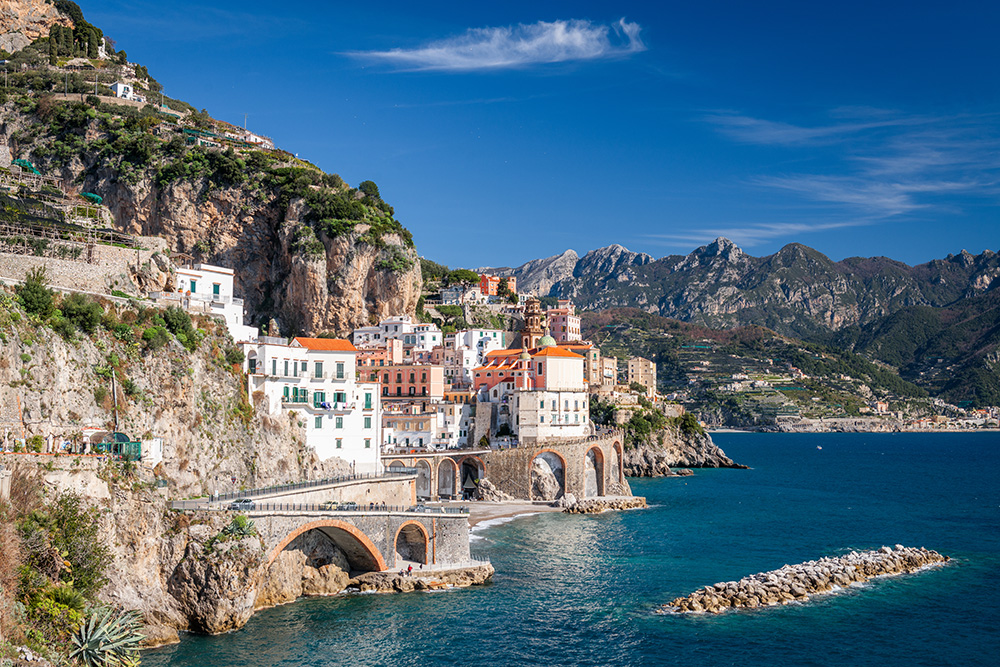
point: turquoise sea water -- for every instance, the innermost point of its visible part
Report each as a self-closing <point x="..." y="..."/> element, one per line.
<point x="580" y="590"/>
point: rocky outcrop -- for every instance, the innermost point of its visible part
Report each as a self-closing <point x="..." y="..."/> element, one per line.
<point x="24" y="21"/>
<point x="418" y="580"/>
<point x="286" y="266"/>
<point x="488" y="492"/>
<point x="797" y="582"/>
<point x="604" y="504"/>
<point x="311" y="565"/>
<point x="677" y="450"/>
<point x="546" y="483"/>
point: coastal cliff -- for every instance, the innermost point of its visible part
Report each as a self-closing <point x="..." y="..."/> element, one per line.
<point x="308" y="251"/>
<point x="675" y="449"/>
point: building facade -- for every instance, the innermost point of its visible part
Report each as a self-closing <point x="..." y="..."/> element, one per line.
<point x="643" y="371"/>
<point x="315" y="378"/>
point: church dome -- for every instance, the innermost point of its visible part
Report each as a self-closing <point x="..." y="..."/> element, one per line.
<point x="546" y="341"/>
<point x="525" y="356"/>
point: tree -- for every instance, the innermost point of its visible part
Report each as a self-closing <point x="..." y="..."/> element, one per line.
<point x="637" y="387"/>
<point x="34" y="293"/>
<point x="83" y="312"/>
<point x="370" y="189"/>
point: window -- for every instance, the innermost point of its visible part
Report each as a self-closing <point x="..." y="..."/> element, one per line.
<point x="399" y="377"/>
<point x="539" y="368"/>
<point x="541" y="419"/>
<point x="413" y="377"/>
<point x="399" y="391"/>
<point x="566" y="404"/>
<point x="286" y="367"/>
<point x="368" y="443"/>
<point x="554" y="405"/>
<point x="413" y="391"/>
<point x="423" y="376"/>
<point x="252" y="366"/>
<point x="305" y="368"/>
<point x="385" y="378"/>
<point x="368" y="422"/>
<point x="576" y="405"/>
<point x="318" y="398"/>
<point x="576" y="418"/>
<point x="318" y="371"/>
<point x="340" y="422"/>
<point x="284" y="393"/>
<point x="340" y="396"/>
<point x="385" y="391"/>
<point x="340" y="443"/>
<point x="274" y="366"/>
<point x="368" y="401"/>
<point x="340" y="370"/>
<point x="319" y="422"/>
<point x="215" y="289"/>
<point x="194" y="286"/>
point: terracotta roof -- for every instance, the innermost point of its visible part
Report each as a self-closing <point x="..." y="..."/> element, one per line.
<point x="556" y="352"/>
<point x="326" y="344"/>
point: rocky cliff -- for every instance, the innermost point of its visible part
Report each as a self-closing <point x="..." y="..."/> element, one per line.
<point x="677" y="450"/>
<point x="308" y="251"/>
<point x="24" y="21"/>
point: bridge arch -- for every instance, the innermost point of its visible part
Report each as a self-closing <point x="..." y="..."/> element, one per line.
<point x="544" y="463"/>
<point x="424" y="474"/>
<point x="617" y="470"/>
<point x="410" y="543"/>
<point x="593" y="473"/>
<point x="361" y="552"/>
<point x="471" y="470"/>
<point x="447" y="478"/>
<point x="397" y="464"/>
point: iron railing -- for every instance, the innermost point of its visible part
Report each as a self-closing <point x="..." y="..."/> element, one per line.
<point x="395" y="472"/>
<point x="332" y="507"/>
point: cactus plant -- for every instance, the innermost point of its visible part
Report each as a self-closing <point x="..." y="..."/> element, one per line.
<point x="110" y="639"/>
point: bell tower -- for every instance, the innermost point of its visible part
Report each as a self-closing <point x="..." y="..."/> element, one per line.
<point x="533" y="324"/>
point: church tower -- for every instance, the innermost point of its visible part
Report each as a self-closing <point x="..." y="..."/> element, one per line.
<point x="533" y="324"/>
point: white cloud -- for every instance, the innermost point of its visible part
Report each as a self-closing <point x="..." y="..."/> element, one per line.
<point x="517" y="46"/>
<point x="747" y="236"/>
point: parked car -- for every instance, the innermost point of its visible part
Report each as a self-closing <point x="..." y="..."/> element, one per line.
<point x="329" y="505"/>
<point x="242" y="504"/>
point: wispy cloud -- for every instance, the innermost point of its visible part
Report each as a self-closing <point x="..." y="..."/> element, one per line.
<point x="878" y="164"/>
<point x="517" y="46"/>
<point x="747" y="236"/>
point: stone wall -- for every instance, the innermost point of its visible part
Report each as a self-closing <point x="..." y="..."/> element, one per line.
<point x="112" y="268"/>
<point x="398" y="492"/>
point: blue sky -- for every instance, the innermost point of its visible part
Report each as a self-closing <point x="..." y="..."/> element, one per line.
<point x="503" y="132"/>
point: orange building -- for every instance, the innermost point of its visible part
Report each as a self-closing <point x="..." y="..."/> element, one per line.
<point x="490" y="285"/>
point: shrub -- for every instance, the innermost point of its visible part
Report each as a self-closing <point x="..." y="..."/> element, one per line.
<point x="82" y="311"/>
<point x="35" y="443"/>
<point x="155" y="337"/>
<point x="100" y="395"/>
<point x="234" y="355"/>
<point x="34" y="294"/>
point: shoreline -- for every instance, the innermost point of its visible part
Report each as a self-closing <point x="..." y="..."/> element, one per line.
<point x="480" y="511"/>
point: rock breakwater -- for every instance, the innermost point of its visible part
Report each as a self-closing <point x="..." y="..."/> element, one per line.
<point x="603" y="504"/>
<point x="797" y="582"/>
<point x="392" y="582"/>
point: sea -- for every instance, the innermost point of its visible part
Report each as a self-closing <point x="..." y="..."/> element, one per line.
<point x="583" y="590"/>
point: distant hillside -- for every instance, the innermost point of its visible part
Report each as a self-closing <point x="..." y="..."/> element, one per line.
<point x="797" y="291"/>
<point x="953" y="351"/>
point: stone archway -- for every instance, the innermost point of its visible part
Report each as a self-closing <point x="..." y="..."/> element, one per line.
<point x="447" y="478"/>
<point x="617" y="477"/>
<point x="423" y="479"/>
<point x="410" y="543"/>
<point x="548" y="476"/>
<point x="361" y="553"/>
<point x="472" y="470"/>
<point x="593" y="473"/>
<point x="396" y="464"/>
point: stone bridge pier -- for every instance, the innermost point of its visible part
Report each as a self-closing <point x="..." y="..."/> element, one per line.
<point x="372" y="541"/>
<point x="585" y="467"/>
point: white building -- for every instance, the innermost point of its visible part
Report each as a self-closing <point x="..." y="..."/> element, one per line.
<point x="542" y="392"/>
<point x="125" y="91"/>
<point x="430" y="424"/>
<point x="208" y="290"/>
<point x="316" y="378"/>
<point x="419" y="337"/>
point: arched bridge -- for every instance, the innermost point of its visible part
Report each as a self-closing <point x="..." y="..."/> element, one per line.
<point x="372" y="540"/>
<point x="585" y="467"/>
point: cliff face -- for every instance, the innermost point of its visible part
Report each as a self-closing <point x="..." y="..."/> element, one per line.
<point x="24" y="21"/>
<point x="679" y="450"/>
<point x="251" y="211"/>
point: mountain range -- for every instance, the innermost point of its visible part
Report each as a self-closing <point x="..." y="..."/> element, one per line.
<point x="797" y="291"/>
<point x="937" y="323"/>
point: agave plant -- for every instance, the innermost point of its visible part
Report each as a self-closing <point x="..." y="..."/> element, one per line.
<point x="240" y="527"/>
<point x="108" y="640"/>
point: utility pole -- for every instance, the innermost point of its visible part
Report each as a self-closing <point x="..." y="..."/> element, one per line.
<point x="114" y="395"/>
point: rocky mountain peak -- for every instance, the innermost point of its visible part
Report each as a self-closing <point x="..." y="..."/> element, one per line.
<point x="721" y="250"/>
<point x="610" y="258"/>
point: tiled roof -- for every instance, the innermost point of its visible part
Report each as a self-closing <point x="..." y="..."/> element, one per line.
<point x="556" y="352"/>
<point x="326" y="344"/>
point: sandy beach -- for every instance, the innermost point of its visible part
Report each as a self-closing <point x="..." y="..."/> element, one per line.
<point x="480" y="511"/>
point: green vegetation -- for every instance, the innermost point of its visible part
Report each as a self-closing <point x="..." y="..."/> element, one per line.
<point x="34" y="294"/>
<point x="108" y="640"/>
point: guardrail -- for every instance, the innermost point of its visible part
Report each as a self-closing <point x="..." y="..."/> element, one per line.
<point x="287" y="488"/>
<point x="333" y="507"/>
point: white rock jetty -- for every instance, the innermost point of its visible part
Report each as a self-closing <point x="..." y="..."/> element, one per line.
<point x="797" y="582"/>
